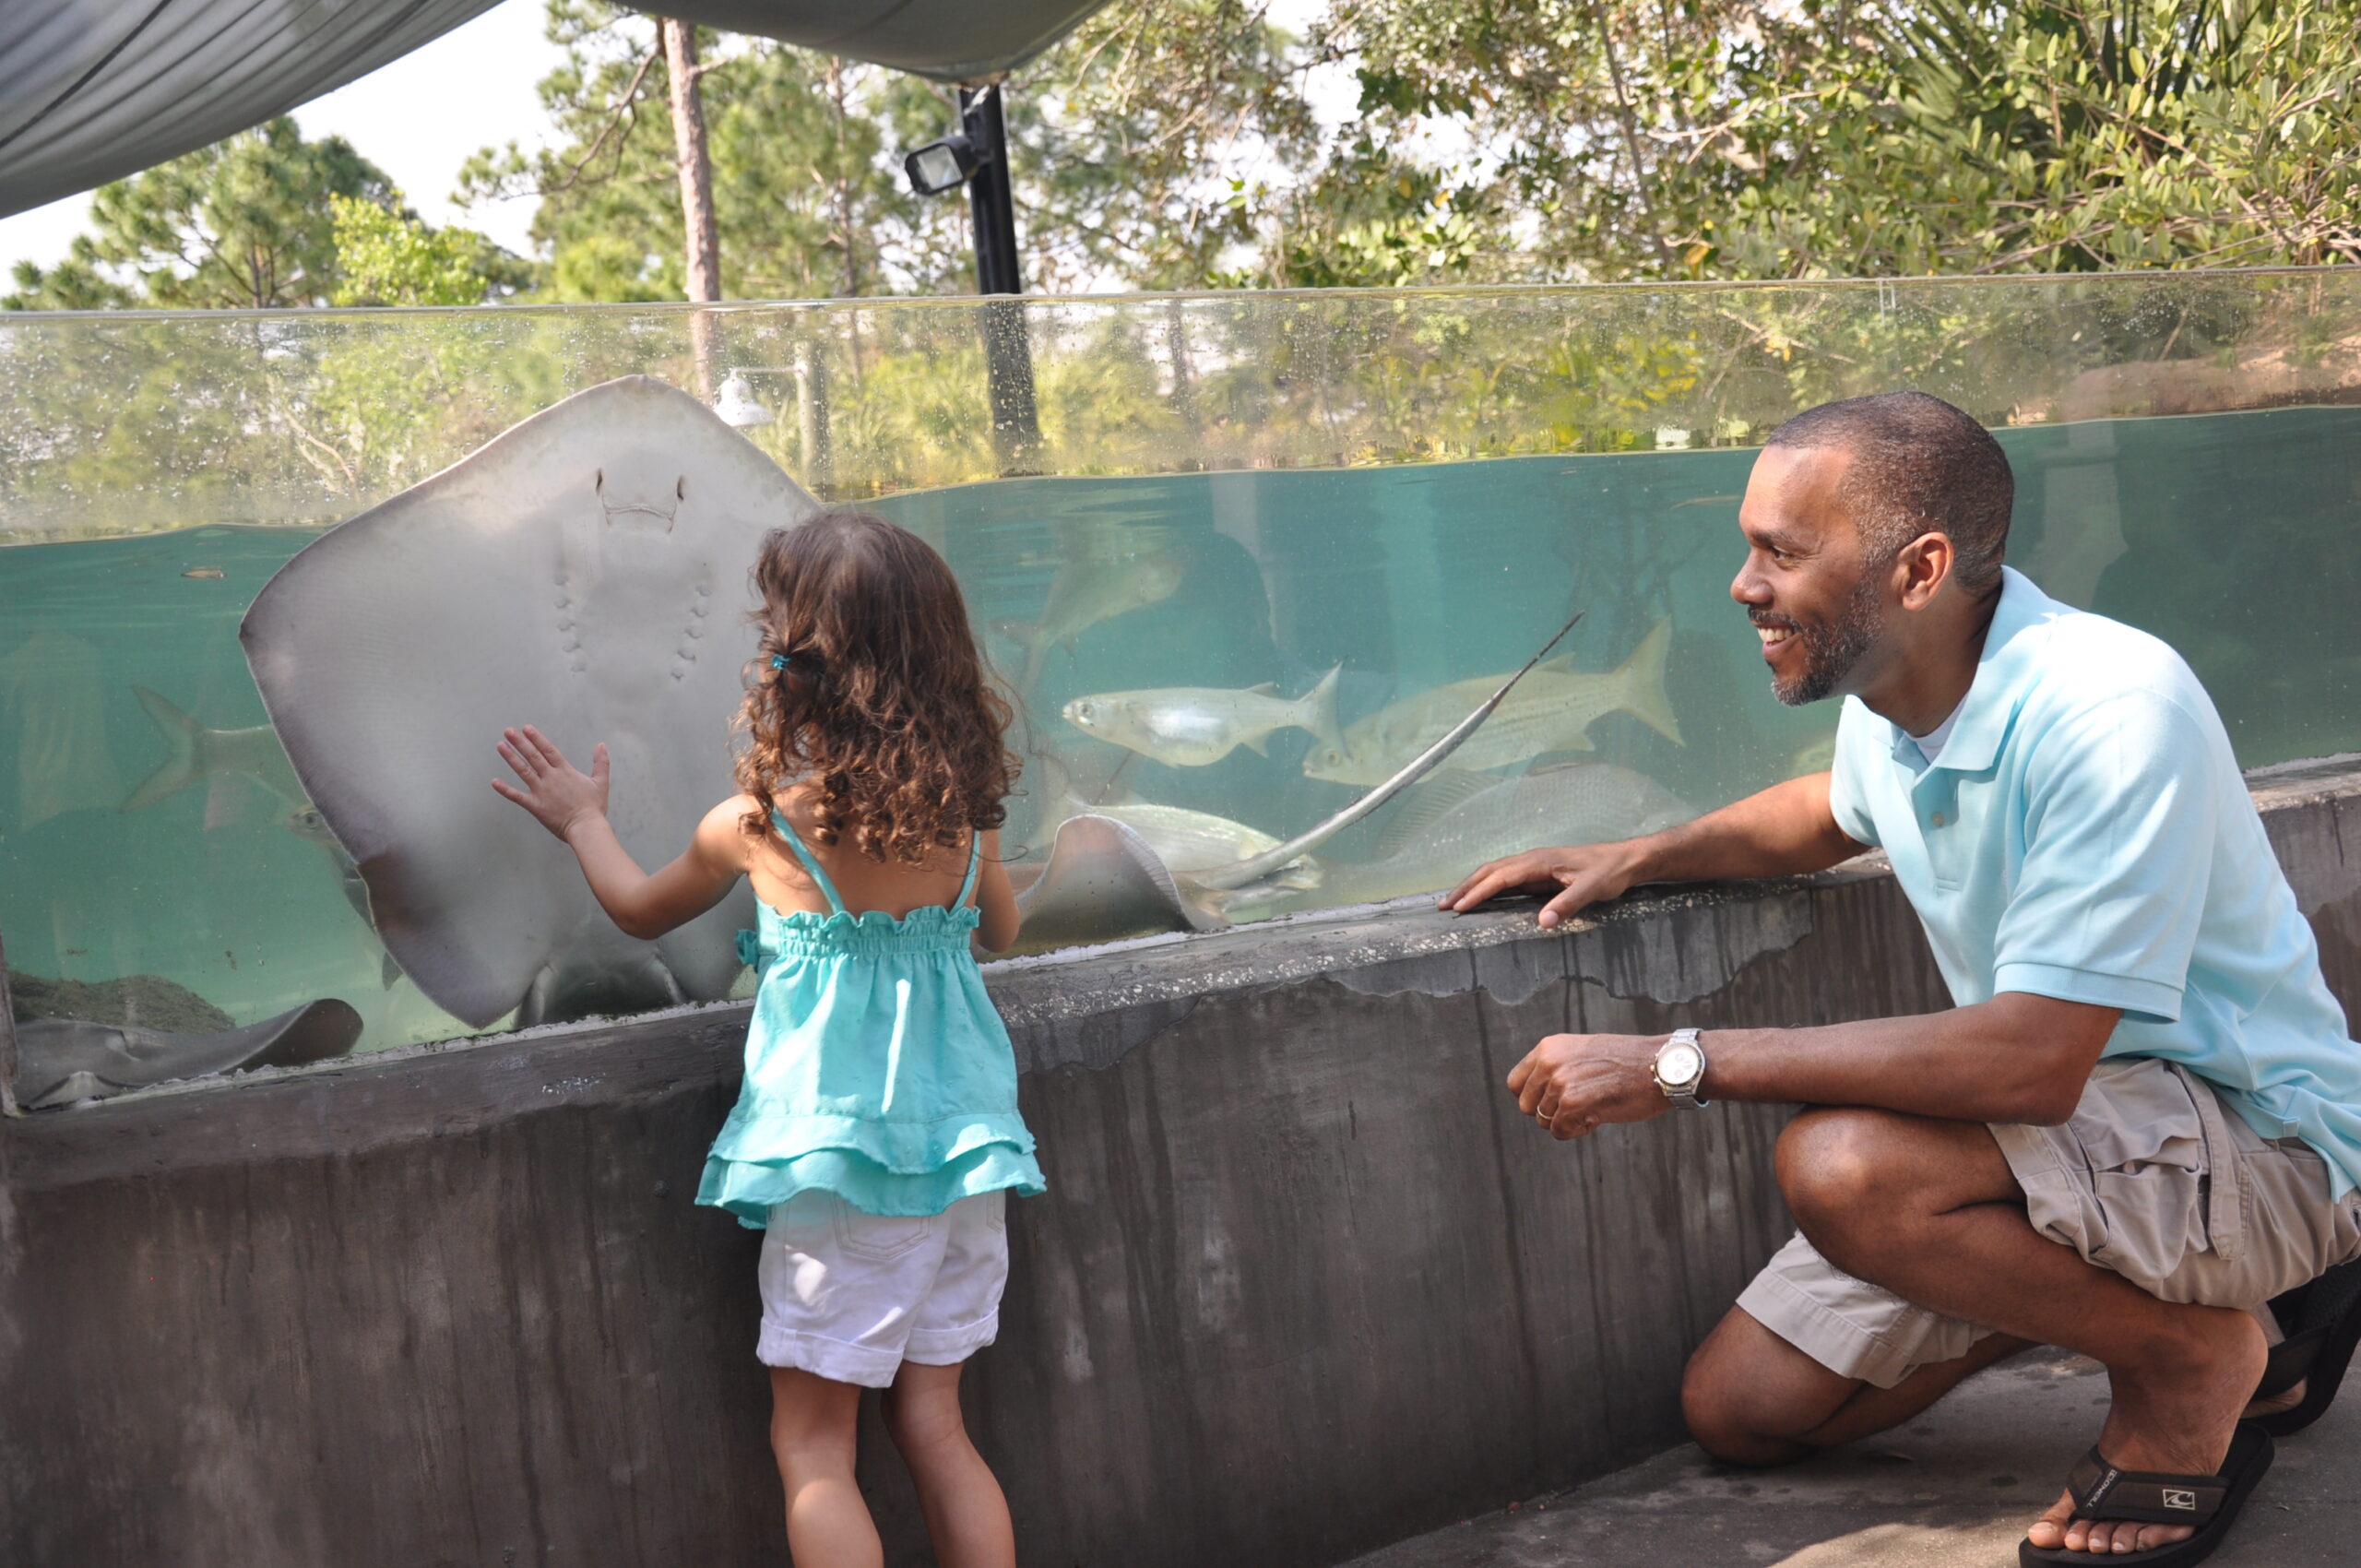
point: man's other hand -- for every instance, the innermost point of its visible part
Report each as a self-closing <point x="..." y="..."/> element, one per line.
<point x="1572" y="1083"/>
<point x="1580" y="875"/>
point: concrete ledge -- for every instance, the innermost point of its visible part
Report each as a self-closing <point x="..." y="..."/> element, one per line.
<point x="1304" y="1284"/>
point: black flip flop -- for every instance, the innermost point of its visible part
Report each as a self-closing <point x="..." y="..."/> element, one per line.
<point x="2147" y="1496"/>
<point x="2323" y="1324"/>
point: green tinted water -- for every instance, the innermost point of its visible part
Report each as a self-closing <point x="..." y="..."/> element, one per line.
<point x="2227" y="535"/>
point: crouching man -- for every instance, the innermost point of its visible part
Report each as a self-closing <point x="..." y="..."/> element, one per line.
<point x="2142" y="1119"/>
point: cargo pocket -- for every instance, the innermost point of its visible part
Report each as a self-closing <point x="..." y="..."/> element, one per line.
<point x="2144" y="1139"/>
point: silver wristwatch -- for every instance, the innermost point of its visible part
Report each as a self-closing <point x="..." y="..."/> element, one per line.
<point x="1680" y="1068"/>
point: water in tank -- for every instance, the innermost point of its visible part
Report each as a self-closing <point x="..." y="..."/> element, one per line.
<point x="1335" y="520"/>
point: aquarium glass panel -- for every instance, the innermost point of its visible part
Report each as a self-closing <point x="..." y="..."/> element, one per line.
<point x="1317" y="526"/>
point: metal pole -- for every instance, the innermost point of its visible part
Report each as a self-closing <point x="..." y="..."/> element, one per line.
<point x="1008" y="353"/>
<point x="991" y="202"/>
<point x="811" y="419"/>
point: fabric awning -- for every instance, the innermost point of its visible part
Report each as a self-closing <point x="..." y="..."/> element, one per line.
<point x="91" y="90"/>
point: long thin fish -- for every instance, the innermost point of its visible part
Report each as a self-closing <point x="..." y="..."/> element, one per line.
<point x="1426" y="762"/>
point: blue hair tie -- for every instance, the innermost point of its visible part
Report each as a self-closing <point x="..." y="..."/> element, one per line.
<point x="779" y="661"/>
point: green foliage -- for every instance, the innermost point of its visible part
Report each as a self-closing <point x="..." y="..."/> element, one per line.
<point x="1116" y="133"/>
<point x="79" y="283"/>
<point x="1714" y="138"/>
<point x="1172" y="144"/>
<point x="385" y="257"/>
<point x="807" y="201"/>
<point x="241" y="224"/>
<point x="257" y="221"/>
<point x="1146" y="146"/>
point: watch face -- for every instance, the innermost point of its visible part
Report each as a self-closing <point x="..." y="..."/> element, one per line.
<point x="1679" y="1064"/>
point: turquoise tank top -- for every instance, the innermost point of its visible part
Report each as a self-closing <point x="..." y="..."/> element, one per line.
<point x="877" y="1068"/>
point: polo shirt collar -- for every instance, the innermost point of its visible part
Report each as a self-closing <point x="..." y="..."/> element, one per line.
<point x="2004" y="672"/>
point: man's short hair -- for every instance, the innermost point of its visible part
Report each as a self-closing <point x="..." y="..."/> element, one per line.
<point x="1919" y="466"/>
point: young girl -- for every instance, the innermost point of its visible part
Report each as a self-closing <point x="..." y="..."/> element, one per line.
<point x="877" y="1136"/>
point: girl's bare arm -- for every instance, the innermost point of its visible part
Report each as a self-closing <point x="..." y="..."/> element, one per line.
<point x="573" y="805"/>
<point x="995" y="899"/>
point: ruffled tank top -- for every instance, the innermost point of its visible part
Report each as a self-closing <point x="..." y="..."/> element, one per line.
<point x="876" y="1066"/>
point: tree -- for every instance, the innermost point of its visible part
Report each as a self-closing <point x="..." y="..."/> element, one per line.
<point x="263" y="218"/>
<point x="1141" y="144"/>
<point x="1635" y="138"/>
<point x="386" y="256"/>
<point x="242" y="225"/>
<point x="1173" y="144"/>
<point x="693" y="158"/>
<point x="806" y="202"/>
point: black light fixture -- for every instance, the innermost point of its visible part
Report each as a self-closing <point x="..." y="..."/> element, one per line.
<point x="976" y="156"/>
<point x="941" y="165"/>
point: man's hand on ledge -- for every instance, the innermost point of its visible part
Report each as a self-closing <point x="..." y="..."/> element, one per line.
<point x="1573" y="1084"/>
<point x="1578" y="876"/>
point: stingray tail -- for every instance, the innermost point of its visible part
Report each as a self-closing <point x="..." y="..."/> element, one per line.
<point x="1640" y="684"/>
<point x="184" y="761"/>
<point x="1316" y="711"/>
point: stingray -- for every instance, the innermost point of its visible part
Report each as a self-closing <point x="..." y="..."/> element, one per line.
<point x="584" y="573"/>
<point x="1102" y="884"/>
<point x="1103" y="881"/>
<point x="60" y="1060"/>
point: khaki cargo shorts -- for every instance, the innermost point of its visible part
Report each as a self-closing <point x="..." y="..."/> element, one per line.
<point x="2154" y="1178"/>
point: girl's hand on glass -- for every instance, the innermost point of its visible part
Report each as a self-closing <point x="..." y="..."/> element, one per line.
<point x="559" y="795"/>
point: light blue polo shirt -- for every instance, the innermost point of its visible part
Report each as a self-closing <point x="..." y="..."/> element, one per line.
<point x="2083" y="833"/>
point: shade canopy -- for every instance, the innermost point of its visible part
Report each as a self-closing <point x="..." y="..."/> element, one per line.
<point x="951" y="41"/>
<point x="91" y="90"/>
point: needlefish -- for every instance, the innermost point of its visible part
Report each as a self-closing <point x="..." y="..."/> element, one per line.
<point x="1552" y="710"/>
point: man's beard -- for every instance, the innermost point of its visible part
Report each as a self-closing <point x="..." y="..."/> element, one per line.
<point x="1831" y="648"/>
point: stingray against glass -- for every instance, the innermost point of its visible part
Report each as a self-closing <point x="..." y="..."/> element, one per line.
<point x="584" y="571"/>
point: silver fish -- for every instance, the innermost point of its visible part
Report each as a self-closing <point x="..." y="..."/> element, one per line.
<point x="1087" y="589"/>
<point x="1552" y="711"/>
<point x="1103" y="881"/>
<point x="197" y="752"/>
<point x="1461" y="820"/>
<point x="1194" y="726"/>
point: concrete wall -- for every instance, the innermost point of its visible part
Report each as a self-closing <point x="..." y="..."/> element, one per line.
<point x="1305" y="1283"/>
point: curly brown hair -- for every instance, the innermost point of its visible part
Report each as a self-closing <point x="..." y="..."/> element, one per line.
<point x="884" y="703"/>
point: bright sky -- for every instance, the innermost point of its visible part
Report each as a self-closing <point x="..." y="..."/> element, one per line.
<point x="419" y="119"/>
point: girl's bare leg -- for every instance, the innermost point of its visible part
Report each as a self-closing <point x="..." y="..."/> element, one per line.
<point x="966" y="1518"/>
<point x="812" y="1425"/>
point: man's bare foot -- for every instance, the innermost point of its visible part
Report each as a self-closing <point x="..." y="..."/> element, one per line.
<point x="2277" y="1402"/>
<point x="2174" y="1410"/>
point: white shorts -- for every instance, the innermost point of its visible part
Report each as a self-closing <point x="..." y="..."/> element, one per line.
<point x="850" y="1295"/>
